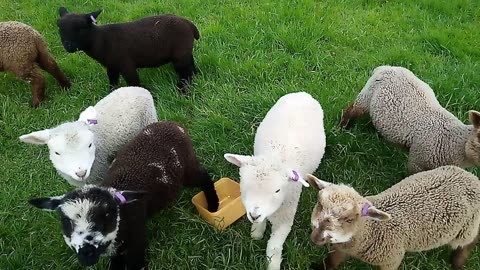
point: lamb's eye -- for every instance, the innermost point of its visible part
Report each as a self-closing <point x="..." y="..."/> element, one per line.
<point x="278" y="190"/>
<point x="348" y="220"/>
<point x="90" y="145"/>
<point x="56" y="153"/>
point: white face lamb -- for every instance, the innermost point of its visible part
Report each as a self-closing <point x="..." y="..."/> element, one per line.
<point x="73" y="153"/>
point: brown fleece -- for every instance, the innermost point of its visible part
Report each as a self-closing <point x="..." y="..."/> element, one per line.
<point x="22" y="48"/>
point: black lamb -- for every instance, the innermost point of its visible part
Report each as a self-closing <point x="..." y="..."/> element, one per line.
<point x="145" y="177"/>
<point x="124" y="47"/>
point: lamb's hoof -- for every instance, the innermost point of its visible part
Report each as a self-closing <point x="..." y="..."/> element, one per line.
<point x="66" y="85"/>
<point x="35" y="103"/>
<point x="213" y="208"/>
<point x="256" y="235"/>
<point x="274" y="265"/>
<point x="182" y="86"/>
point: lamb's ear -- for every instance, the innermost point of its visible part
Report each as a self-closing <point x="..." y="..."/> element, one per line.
<point x="237" y="160"/>
<point x="37" y="137"/>
<point x="62" y="11"/>
<point x="317" y="183"/>
<point x="376" y="214"/>
<point x="474" y="117"/>
<point x="126" y="197"/>
<point x="92" y="17"/>
<point x="48" y="204"/>
<point x="89" y="116"/>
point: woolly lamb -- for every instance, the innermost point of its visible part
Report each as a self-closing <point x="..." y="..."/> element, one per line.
<point x="289" y="143"/>
<point x="405" y="111"/>
<point x="21" y="49"/>
<point x="150" y="170"/>
<point x="82" y="150"/>
<point x="124" y="47"/>
<point x="422" y="212"/>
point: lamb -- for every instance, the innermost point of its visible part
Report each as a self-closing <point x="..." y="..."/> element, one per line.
<point x="81" y="151"/>
<point x="405" y="111"/>
<point x="124" y="47"/>
<point x="422" y="212"/>
<point x="145" y="177"/>
<point x="22" y="48"/>
<point x="289" y="143"/>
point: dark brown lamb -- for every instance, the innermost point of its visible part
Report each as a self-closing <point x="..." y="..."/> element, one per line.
<point x="124" y="47"/>
<point x="22" y="48"/>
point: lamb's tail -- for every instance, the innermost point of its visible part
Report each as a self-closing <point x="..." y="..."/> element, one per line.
<point x="46" y="62"/>
<point x="196" y="33"/>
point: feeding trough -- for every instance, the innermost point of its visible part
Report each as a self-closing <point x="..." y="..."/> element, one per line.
<point x="230" y="207"/>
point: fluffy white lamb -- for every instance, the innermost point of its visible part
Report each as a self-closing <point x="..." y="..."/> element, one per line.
<point x="289" y="143"/>
<point x="81" y="151"/>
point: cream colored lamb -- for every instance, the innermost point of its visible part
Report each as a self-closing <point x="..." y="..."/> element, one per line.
<point x="422" y="212"/>
<point x="289" y="143"/>
<point x="405" y="111"/>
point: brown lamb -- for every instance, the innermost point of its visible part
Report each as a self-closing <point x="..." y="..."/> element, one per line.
<point x="22" y="48"/>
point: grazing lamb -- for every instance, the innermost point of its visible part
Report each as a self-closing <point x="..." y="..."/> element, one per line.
<point x="124" y="47"/>
<point x="82" y="150"/>
<point x="145" y="177"/>
<point x="289" y="143"/>
<point x="22" y="48"/>
<point x="405" y="111"/>
<point x="422" y="212"/>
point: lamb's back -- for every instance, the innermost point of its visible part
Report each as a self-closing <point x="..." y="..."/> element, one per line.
<point x="121" y="116"/>
<point x="293" y="127"/>
<point x="428" y="209"/>
<point x="403" y="107"/>
<point x="17" y="44"/>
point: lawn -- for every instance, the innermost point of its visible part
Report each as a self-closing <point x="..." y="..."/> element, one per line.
<point x="250" y="53"/>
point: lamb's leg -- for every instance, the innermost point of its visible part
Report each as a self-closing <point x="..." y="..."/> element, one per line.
<point x="353" y="112"/>
<point x="258" y="229"/>
<point x="275" y="244"/>
<point x="33" y="75"/>
<point x="135" y="258"/>
<point x="117" y="262"/>
<point x="47" y="63"/>
<point x="185" y="69"/>
<point x="130" y="75"/>
<point x="461" y="254"/>
<point x="333" y="260"/>
<point x="113" y="77"/>
<point x="201" y="178"/>
<point x="394" y="265"/>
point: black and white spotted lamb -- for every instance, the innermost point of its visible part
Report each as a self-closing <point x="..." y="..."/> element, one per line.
<point x="145" y="177"/>
<point x="124" y="47"/>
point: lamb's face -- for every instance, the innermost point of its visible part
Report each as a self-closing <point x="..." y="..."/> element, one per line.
<point x="335" y="216"/>
<point x="90" y="221"/>
<point x="72" y="152"/>
<point x="263" y="189"/>
<point x="75" y="29"/>
<point x="472" y="147"/>
<point x="339" y="212"/>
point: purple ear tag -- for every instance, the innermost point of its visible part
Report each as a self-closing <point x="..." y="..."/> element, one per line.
<point x="297" y="178"/>
<point x="365" y="208"/>
<point x="92" y="121"/>
<point x="120" y="197"/>
<point x="94" y="21"/>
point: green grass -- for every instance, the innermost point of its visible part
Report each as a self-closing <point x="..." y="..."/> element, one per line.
<point x="250" y="53"/>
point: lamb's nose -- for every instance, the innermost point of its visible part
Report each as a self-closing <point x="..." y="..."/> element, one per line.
<point x="81" y="173"/>
<point x="253" y="216"/>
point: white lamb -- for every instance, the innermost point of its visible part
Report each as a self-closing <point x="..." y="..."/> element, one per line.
<point x="289" y="143"/>
<point x="81" y="151"/>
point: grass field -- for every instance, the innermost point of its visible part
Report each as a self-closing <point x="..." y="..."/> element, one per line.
<point x="250" y="53"/>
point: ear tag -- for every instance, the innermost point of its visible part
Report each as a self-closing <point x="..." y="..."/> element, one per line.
<point x="295" y="176"/>
<point x="92" y="122"/>
<point x="94" y="21"/>
<point x="120" y="197"/>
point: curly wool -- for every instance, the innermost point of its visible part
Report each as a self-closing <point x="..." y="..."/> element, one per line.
<point x="405" y="111"/>
<point x="21" y="49"/>
<point x="429" y="209"/>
